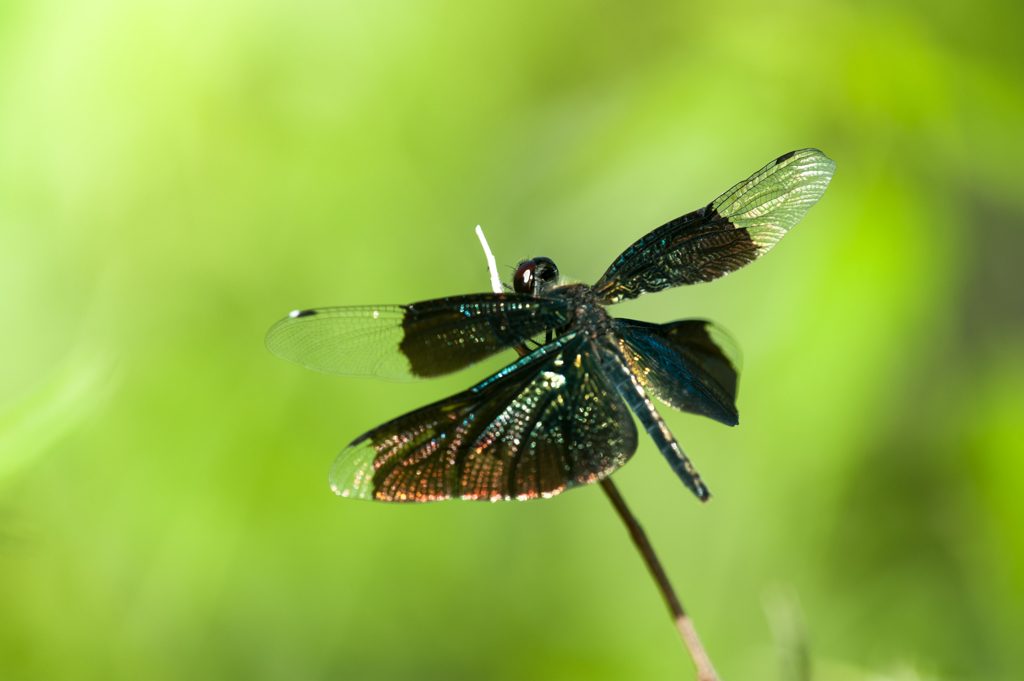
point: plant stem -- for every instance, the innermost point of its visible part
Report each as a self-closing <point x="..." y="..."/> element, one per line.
<point x="701" y="661"/>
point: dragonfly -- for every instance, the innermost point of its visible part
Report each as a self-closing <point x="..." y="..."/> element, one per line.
<point x="562" y="415"/>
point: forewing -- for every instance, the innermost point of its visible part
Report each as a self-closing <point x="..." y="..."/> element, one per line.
<point x="406" y="342"/>
<point x="735" y="229"/>
<point x="546" y="423"/>
<point x="691" y="365"/>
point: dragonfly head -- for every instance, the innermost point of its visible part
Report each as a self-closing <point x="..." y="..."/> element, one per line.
<point x="535" y="276"/>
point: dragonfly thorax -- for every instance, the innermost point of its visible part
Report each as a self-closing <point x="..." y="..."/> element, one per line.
<point x="588" y="314"/>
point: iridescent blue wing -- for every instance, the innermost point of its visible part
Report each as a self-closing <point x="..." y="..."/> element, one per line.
<point x="735" y="229"/>
<point x="631" y="388"/>
<point x="406" y="342"/>
<point x="546" y="423"/>
<point x="691" y="365"/>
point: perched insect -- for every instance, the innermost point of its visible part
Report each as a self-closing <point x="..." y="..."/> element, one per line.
<point x="560" y="416"/>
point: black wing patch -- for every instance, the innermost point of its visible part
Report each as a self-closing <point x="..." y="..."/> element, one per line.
<point x="549" y="422"/>
<point x="406" y="342"/>
<point x="735" y="229"/>
<point x="691" y="365"/>
<point x="631" y="389"/>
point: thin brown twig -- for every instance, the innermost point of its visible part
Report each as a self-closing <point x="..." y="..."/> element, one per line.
<point x="701" y="661"/>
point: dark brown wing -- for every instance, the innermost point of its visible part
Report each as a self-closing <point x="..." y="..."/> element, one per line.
<point x="735" y="229"/>
<point x="406" y="342"/>
<point x="546" y="423"/>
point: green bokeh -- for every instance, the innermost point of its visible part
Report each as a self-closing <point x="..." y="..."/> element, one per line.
<point x="175" y="176"/>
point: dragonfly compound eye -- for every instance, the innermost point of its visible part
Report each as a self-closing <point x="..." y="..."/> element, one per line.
<point x="523" y="281"/>
<point x="532" y="276"/>
<point x="546" y="271"/>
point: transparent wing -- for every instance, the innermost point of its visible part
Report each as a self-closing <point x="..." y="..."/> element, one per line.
<point x="735" y="229"/>
<point x="406" y="342"/>
<point x="546" y="423"/>
<point x="691" y="365"/>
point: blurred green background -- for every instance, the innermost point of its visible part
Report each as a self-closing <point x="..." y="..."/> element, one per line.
<point x="176" y="176"/>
